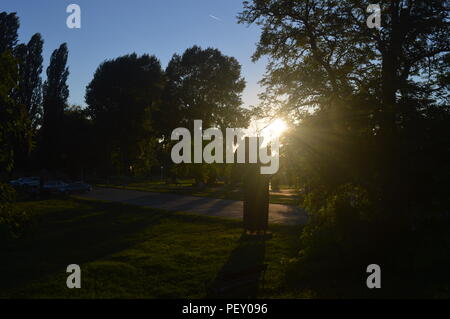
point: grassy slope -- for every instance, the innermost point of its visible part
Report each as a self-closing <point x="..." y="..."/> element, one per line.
<point x="132" y="252"/>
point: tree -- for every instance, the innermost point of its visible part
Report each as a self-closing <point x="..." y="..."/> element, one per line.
<point x="12" y="114"/>
<point x="364" y="96"/>
<point x="55" y="94"/>
<point x="9" y="24"/>
<point x="204" y="85"/>
<point x="79" y="144"/>
<point x="29" y="93"/>
<point x="29" y="90"/>
<point x="369" y="107"/>
<point x="13" y="119"/>
<point x="122" y="99"/>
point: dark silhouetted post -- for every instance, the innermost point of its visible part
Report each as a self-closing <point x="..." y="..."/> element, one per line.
<point x="256" y="196"/>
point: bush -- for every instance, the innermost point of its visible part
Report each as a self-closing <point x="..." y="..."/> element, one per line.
<point x="13" y="222"/>
<point x="346" y="232"/>
<point x="340" y="226"/>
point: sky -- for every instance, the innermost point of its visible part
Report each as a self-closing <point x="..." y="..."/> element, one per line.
<point x="113" y="28"/>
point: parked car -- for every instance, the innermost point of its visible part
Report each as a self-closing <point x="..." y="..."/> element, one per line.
<point x="54" y="187"/>
<point x="77" y="187"/>
<point x="25" y="182"/>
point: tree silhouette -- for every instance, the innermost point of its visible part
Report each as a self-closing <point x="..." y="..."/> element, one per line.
<point x="368" y="98"/>
<point x="55" y="94"/>
<point x="309" y="44"/>
<point x="79" y="145"/>
<point x="206" y="85"/>
<point x="122" y="99"/>
<point x="9" y="24"/>
<point x="12" y="114"/>
<point x="28" y="93"/>
<point x="29" y="90"/>
<point x="202" y="84"/>
<point x="369" y="109"/>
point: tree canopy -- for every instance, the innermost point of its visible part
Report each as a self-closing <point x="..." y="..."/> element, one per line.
<point x="122" y="99"/>
<point x="368" y="108"/>
<point x="322" y="50"/>
<point x="204" y="84"/>
<point x="55" y="94"/>
<point x="29" y="90"/>
<point x="9" y="25"/>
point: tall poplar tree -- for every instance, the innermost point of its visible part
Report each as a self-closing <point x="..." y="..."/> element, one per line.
<point x="55" y="94"/>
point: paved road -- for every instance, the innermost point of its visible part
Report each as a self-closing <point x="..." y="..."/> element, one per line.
<point x="282" y="214"/>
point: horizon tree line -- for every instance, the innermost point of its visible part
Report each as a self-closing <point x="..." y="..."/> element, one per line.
<point x="132" y="106"/>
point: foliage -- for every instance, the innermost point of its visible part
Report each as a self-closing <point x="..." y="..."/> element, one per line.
<point x="24" y="93"/>
<point x="55" y="94"/>
<point x="78" y="142"/>
<point x="13" y="221"/>
<point x="28" y="93"/>
<point x="204" y="84"/>
<point x="29" y="90"/>
<point x="122" y="100"/>
<point x="368" y="108"/>
<point x="13" y="115"/>
<point x="310" y="62"/>
<point x="9" y="24"/>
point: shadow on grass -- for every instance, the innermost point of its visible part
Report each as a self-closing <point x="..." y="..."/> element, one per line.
<point x="128" y="251"/>
<point x="72" y="236"/>
<point x="242" y="275"/>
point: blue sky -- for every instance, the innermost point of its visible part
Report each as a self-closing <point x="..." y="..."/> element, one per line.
<point x="160" y="27"/>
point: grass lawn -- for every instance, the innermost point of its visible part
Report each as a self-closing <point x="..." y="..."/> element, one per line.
<point x="133" y="252"/>
<point x="287" y="196"/>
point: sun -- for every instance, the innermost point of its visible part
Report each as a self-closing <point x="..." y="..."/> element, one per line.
<point x="268" y="129"/>
<point x="274" y="129"/>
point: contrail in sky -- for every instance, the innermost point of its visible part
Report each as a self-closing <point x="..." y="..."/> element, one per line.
<point x="215" y="18"/>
